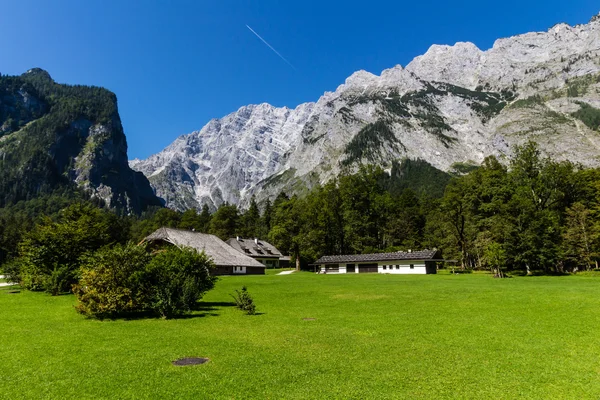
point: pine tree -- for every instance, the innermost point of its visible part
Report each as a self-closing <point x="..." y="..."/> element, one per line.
<point x="204" y="219"/>
<point x="225" y="222"/>
<point x="580" y="238"/>
<point x="250" y="221"/>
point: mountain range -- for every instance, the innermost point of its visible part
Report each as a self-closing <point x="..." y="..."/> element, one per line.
<point x="451" y="107"/>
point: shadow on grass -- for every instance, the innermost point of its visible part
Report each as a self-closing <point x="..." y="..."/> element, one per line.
<point x="201" y="309"/>
<point x="12" y="289"/>
<point x="539" y="273"/>
<point x="215" y="305"/>
<point x="151" y="315"/>
<point x="212" y="305"/>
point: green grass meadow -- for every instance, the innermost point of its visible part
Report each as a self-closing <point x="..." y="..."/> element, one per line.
<point x="373" y="337"/>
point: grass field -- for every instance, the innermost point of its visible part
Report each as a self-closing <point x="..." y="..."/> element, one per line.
<point x="374" y="336"/>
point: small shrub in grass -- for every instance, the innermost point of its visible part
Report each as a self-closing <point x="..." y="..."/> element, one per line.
<point x="113" y="282"/>
<point x="179" y="278"/>
<point x="244" y="301"/>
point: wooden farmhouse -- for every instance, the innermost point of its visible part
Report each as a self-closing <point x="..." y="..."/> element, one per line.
<point x="261" y="251"/>
<point x="228" y="261"/>
<point x="410" y="262"/>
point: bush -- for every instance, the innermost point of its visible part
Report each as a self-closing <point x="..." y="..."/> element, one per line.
<point x="244" y="301"/>
<point x="51" y="253"/>
<point x="113" y="282"/>
<point x="126" y="279"/>
<point x="179" y="278"/>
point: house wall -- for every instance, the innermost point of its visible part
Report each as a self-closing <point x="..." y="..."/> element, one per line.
<point x="222" y="270"/>
<point x="431" y="267"/>
<point x="227" y="270"/>
<point x="332" y="269"/>
<point x="402" y="267"/>
<point x="255" y="271"/>
<point x="268" y="262"/>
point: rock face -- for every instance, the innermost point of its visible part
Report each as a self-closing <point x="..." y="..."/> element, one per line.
<point x="54" y="138"/>
<point x="454" y="104"/>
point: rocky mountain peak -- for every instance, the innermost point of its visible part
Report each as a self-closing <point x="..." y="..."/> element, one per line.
<point x="360" y="79"/>
<point x="453" y="104"/>
<point x="39" y="73"/>
<point x="457" y="64"/>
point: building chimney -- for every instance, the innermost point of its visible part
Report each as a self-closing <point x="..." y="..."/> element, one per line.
<point x="255" y="240"/>
<point x="409" y="250"/>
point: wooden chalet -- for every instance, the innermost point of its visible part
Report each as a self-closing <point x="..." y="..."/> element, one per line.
<point x="261" y="251"/>
<point x="228" y="261"/>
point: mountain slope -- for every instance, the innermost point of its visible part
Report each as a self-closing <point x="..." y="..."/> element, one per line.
<point x="57" y="137"/>
<point x="454" y="104"/>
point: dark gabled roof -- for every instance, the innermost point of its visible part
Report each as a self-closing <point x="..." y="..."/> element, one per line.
<point x="254" y="248"/>
<point x="376" y="257"/>
<point x="221" y="253"/>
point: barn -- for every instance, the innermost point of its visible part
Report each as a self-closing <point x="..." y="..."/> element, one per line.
<point x="401" y="262"/>
<point x="228" y="261"/>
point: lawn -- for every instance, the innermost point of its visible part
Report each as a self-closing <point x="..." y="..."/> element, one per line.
<point x="374" y="336"/>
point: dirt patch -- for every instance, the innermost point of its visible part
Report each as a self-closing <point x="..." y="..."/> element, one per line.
<point x="182" y="362"/>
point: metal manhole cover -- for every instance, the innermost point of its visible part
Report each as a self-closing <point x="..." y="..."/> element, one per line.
<point x="190" y="361"/>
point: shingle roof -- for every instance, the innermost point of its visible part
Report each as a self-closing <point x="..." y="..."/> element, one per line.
<point x="375" y="257"/>
<point x="251" y="248"/>
<point x="221" y="253"/>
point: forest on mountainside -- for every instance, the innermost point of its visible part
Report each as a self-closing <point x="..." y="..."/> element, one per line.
<point x="63" y="139"/>
<point x="534" y="215"/>
<point x="39" y="113"/>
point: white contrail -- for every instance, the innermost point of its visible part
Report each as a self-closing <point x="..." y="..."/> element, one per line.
<point x="271" y="47"/>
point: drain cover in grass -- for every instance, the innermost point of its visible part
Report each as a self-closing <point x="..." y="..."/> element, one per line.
<point x="190" y="361"/>
<point x="309" y="319"/>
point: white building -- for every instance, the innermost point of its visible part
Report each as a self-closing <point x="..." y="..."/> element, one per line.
<point x="410" y="262"/>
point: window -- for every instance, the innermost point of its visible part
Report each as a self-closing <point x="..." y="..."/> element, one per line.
<point x="412" y="266"/>
<point x="397" y="267"/>
<point x="385" y="267"/>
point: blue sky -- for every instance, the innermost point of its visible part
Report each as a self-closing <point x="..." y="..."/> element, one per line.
<point x="174" y="65"/>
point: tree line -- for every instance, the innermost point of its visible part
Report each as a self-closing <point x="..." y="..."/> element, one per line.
<point x="529" y="214"/>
